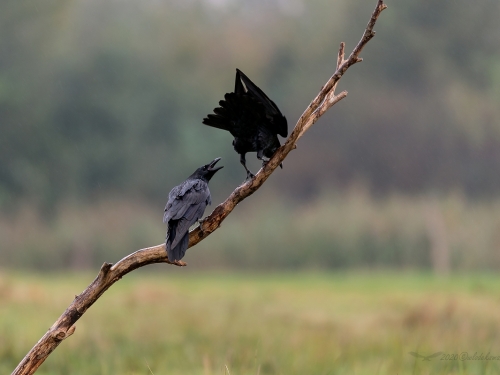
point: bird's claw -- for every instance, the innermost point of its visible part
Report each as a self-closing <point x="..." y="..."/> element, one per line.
<point x="250" y="175"/>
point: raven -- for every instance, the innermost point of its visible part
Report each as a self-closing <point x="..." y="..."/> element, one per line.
<point x="252" y="118"/>
<point x="186" y="205"/>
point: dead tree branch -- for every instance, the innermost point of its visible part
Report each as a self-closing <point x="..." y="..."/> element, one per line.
<point x="109" y="274"/>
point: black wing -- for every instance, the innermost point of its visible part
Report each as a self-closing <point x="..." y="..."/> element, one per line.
<point x="241" y="115"/>
<point x="242" y="112"/>
<point x="186" y="205"/>
<point x="243" y="85"/>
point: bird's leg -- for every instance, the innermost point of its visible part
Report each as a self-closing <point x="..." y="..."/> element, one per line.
<point x="260" y="156"/>
<point x="243" y="162"/>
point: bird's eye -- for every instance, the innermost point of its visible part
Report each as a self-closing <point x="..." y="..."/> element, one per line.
<point x="205" y="168"/>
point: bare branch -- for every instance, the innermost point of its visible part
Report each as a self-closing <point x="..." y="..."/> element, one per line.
<point x="353" y="59"/>
<point x="109" y="274"/>
<point x="340" y="58"/>
<point x="340" y="61"/>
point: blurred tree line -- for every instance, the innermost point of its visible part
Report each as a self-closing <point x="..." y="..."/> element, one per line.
<point x="106" y="98"/>
<point x="101" y="105"/>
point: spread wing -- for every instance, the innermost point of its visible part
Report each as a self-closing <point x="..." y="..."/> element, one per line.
<point x="186" y="204"/>
<point x="241" y="115"/>
<point x="243" y="85"/>
<point x="244" y="110"/>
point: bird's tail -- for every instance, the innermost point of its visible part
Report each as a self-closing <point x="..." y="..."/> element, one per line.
<point x="177" y="252"/>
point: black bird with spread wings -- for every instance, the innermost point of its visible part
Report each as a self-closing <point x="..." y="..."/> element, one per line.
<point x="252" y="118"/>
<point x="186" y="205"/>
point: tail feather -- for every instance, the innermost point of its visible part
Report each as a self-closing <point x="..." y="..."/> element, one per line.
<point x="177" y="252"/>
<point x="180" y="249"/>
<point x="171" y="230"/>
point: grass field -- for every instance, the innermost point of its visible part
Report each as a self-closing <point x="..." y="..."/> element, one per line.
<point x="180" y="322"/>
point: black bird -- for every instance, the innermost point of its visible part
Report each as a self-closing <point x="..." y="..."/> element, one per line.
<point x="186" y="205"/>
<point x="252" y="118"/>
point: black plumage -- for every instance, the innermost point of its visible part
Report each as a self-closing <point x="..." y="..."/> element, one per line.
<point x="186" y="205"/>
<point x="252" y="118"/>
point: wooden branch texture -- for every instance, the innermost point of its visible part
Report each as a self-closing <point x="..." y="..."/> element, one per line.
<point x="109" y="274"/>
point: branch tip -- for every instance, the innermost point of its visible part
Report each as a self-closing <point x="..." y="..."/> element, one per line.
<point x="340" y="57"/>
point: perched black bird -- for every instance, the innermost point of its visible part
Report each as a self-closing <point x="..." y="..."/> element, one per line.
<point x="186" y="205"/>
<point x="252" y="118"/>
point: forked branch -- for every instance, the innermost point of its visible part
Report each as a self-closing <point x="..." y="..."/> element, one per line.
<point x="109" y="274"/>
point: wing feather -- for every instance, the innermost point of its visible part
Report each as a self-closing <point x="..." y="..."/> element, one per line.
<point x="193" y="214"/>
<point x="278" y="121"/>
<point x="186" y="205"/>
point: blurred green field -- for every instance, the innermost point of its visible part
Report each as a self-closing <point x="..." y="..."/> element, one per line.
<point x="183" y="322"/>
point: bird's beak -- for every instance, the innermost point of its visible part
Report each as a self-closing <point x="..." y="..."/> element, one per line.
<point x="212" y="165"/>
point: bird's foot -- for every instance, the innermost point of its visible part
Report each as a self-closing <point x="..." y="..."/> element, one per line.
<point x="265" y="161"/>
<point x="250" y="175"/>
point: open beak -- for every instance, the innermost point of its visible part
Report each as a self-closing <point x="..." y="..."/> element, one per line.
<point x="212" y="165"/>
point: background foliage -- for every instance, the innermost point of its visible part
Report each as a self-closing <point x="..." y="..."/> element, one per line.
<point x="101" y="106"/>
